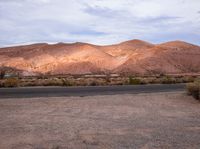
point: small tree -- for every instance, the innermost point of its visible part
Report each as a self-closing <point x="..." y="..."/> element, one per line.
<point x="2" y="74"/>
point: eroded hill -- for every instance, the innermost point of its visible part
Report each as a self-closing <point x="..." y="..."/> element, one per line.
<point x="130" y="57"/>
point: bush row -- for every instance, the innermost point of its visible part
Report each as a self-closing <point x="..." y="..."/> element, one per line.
<point x="14" y="82"/>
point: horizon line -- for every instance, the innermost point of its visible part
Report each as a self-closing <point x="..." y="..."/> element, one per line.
<point x="75" y="42"/>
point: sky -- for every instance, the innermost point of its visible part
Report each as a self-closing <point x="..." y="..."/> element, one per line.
<point x="98" y="21"/>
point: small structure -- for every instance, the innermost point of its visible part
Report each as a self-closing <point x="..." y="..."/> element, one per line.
<point x="10" y="75"/>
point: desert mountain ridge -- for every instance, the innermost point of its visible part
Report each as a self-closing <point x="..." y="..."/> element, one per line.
<point x="129" y="57"/>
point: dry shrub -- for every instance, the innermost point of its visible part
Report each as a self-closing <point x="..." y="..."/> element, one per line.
<point x="168" y="80"/>
<point x="134" y="81"/>
<point x="1" y="83"/>
<point x="194" y="89"/>
<point x="11" y="82"/>
<point x="66" y="82"/>
<point x="52" y="82"/>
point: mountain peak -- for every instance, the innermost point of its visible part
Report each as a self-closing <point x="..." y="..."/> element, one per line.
<point x="137" y="44"/>
<point x="135" y="41"/>
<point x="177" y="43"/>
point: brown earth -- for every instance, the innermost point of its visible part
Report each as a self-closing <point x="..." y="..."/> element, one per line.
<point x="143" y="121"/>
<point x="130" y="57"/>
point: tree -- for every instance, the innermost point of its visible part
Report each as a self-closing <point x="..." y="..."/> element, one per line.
<point x="2" y="74"/>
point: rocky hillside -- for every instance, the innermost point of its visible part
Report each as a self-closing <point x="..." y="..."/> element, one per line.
<point x="130" y="57"/>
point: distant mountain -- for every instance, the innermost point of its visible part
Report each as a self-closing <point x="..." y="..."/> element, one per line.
<point x="130" y="57"/>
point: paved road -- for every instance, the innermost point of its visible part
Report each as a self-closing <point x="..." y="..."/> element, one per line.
<point x="30" y="92"/>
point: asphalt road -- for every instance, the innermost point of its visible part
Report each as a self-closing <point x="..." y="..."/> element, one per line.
<point x="30" y="92"/>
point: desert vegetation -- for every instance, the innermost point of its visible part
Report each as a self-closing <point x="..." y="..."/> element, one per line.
<point x="94" y="80"/>
<point x="10" y="82"/>
<point x="193" y="89"/>
<point x="134" y="81"/>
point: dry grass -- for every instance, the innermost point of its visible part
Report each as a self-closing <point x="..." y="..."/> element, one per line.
<point x="95" y="81"/>
<point x="11" y="82"/>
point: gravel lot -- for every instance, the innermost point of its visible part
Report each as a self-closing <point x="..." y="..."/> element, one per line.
<point x="145" y="121"/>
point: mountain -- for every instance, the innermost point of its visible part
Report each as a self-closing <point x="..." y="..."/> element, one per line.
<point x="130" y="57"/>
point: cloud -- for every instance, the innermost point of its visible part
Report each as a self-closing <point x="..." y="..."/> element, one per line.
<point x="98" y="21"/>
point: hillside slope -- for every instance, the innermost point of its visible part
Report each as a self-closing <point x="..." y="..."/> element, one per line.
<point x="130" y="57"/>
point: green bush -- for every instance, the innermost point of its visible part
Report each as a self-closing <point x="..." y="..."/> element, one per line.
<point x="194" y="89"/>
<point x="11" y="82"/>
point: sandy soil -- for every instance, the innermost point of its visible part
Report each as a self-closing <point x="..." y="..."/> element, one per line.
<point x="145" y="121"/>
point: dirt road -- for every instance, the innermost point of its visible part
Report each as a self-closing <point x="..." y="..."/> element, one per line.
<point x="142" y="121"/>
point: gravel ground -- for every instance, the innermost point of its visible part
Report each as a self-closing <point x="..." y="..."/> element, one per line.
<point x="143" y="121"/>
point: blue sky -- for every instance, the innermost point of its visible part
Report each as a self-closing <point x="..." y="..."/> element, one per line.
<point x="98" y="21"/>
